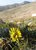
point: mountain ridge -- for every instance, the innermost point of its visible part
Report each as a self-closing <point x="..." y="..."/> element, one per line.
<point x="6" y="7"/>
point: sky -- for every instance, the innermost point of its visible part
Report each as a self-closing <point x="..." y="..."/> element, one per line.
<point x="8" y="2"/>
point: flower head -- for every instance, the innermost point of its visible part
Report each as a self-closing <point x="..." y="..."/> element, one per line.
<point x="15" y="34"/>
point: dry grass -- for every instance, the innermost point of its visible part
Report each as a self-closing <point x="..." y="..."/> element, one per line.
<point x="23" y="12"/>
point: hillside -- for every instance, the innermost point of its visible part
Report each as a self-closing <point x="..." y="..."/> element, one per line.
<point x="22" y="11"/>
<point x="6" y="7"/>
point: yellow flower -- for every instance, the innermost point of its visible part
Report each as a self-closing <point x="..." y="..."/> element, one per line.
<point x="15" y="34"/>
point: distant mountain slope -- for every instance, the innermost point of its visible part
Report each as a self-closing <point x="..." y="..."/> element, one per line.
<point x="25" y="2"/>
<point x="20" y="12"/>
<point x="2" y="8"/>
